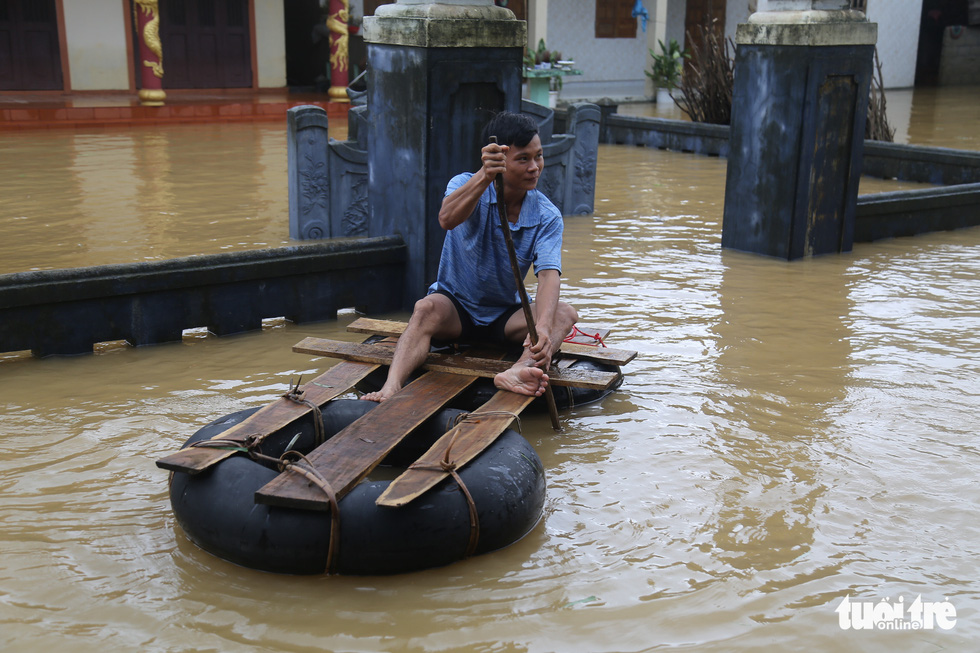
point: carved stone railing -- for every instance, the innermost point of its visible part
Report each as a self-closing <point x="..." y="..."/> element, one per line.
<point x="328" y="178"/>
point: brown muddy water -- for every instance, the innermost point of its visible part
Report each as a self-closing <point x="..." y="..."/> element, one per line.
<point x="792" y="433"/>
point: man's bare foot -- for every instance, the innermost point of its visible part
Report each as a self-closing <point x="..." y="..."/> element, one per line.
<point x="381" y="395"/>
<point x="523" y="380"/>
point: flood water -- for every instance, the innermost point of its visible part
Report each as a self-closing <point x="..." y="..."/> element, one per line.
<point x="791" y="433"/>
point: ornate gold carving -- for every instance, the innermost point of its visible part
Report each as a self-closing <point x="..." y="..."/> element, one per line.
<point x="151" y="34"/>
<point x="337" y="24"/>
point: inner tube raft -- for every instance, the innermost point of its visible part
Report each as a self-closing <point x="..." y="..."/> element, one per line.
<point x="482" y="390"/>
<point x="216" y="509"/>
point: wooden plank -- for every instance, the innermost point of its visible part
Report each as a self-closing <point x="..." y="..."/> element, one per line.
<point x="452" y="364"/>
<point x="578" y="349"/>
<point x="349" y="456"/>
<point x="618" y="357"/>
<point x="463" y="443"/>
<point x="396" y="328"/>
<point x="270" y="418"/>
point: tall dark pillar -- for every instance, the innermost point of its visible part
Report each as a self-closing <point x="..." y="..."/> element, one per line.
<point x="436" y="73"/>
<point x="802" y="74"/>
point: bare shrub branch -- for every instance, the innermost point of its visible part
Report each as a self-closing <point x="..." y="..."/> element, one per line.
<point x="707" y="84"/>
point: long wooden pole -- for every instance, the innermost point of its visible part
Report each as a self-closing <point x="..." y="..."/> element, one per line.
<point x="521" y="290"/>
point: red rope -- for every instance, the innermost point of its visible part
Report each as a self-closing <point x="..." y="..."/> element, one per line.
<point x="578" y="332"/>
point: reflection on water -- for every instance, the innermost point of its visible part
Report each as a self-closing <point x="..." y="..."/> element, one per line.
<point x="79" y="198"/>
<point x="792" y="433"/>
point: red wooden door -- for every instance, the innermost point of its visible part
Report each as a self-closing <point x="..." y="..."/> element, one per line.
<point x="30" y="57"/>
<point x="206" y="44"/>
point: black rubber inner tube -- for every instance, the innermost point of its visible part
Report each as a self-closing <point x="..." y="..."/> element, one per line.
<point x="217" y="511"/>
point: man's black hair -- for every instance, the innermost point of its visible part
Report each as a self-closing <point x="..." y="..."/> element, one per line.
<point x="511" y="129"/>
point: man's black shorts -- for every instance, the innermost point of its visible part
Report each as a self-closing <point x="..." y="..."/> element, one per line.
<point x="476" y="333"/>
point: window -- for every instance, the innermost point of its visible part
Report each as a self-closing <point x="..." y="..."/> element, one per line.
<point x="614" y="19"/>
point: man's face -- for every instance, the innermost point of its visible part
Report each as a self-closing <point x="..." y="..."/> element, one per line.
<point x="524" y="165"/>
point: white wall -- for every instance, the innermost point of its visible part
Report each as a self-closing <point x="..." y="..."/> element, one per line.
<point x="737" y="11"/>
<point x="676" y="13"/>
<point x="611" y="67"/>
<point x="270" y="43"/>
<point x="96" y="37"/>
<point x="898" y="39"/>
<point x="614" y="67"/>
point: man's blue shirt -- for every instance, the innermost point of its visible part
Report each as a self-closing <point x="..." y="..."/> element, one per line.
<point x="475" y="265"/>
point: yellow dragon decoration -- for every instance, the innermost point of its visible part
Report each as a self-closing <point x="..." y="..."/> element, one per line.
<point x="337" y="23"/>
<point x="151" y="34"/>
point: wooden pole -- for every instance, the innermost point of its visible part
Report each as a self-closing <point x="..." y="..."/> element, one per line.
<point x="521" y="290"/>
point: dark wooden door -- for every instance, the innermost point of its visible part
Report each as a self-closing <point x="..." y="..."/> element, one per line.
<point x="206" y="44"/>
<point x="703" y="14"/>
<point x="30" y="57"/>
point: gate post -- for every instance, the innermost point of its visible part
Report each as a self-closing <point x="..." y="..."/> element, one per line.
<point x="437" y="72"/>
<point x="802" y="75"/>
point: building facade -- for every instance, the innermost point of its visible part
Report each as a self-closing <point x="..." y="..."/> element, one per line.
<point x="75" y="46"/>
<point x="72" y="46"/>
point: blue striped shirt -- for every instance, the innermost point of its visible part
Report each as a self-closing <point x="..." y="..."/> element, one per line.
<point x="475" y="265"/>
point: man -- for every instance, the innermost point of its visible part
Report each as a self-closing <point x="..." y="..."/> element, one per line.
<point x="474" y="297"/>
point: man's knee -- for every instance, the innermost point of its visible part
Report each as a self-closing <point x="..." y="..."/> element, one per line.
<point x="567" y="314"/>
<point x="432" y="312"/>
<point x="426" y="310"/>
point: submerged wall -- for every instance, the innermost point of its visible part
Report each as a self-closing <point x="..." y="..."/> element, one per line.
<point x="953" y="204"/>
<point x="68" y="311"/>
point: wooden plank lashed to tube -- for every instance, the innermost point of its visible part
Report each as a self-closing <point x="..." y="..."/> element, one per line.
<point x="350" y="455"/>
<point x="458" y="446"/>
<point x="270" y="418"/>
<point x="471" y="365"/>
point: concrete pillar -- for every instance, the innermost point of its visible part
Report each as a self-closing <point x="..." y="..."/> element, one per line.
<point x="802" y="74"/>
<point x="436" y="74"/>
<point x="537" y="22"/>
<point x="656" y="34"/>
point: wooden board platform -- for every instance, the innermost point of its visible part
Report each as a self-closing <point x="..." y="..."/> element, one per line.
<point x="608" y="355"/>
<point x="463" y="443"/>
<point x="271" y="418"/>
<point x="451" y="364"/>
<point x="351" y="454"/>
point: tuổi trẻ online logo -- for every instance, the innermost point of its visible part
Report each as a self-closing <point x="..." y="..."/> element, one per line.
<point x="882" y="615"/>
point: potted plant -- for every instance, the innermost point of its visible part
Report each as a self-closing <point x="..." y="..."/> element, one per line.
<point x="544" y="59"/>
<point x="667" y="67"/>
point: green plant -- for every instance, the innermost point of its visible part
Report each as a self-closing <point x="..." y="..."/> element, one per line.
<point x="541" y="55"/>
<point x="666" y="72"/>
